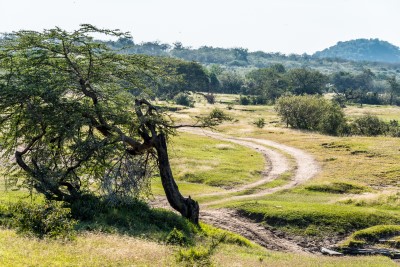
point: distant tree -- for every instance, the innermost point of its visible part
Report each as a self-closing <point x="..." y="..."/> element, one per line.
<point x="354" y="88"/>
<point x="189" y="76"/>
<point x="125" y="41"/>
<point x="231" y="82"/>
<point x="304" y="81"/>
<point x="270" y="83"/>
<point x="394" y="88"/>
<point x="241" y="54"/>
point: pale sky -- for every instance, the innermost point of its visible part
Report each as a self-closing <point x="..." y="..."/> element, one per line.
<point x="287" y="26"/>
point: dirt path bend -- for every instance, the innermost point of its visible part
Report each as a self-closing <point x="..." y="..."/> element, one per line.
<point x="277" y="163"/>
<point x="306" y="167"/>
<point x="228" y="219"/>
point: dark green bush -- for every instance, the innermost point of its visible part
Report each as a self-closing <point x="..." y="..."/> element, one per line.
<point x="311" y="113"/>
<point x="176" y="237"/>
<point x="50" y="220"/>
<point x="184" y="99"/>
<point x="260" y="123"/>
<point x="369" y="125"/>
<point x="244" y="100"/>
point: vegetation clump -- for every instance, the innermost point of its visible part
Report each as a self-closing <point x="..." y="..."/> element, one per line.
<point x="184" y="99"/>
<point x="47" y="220"/>
<point x="338" y="188"/>
<point x="311" y="113"/>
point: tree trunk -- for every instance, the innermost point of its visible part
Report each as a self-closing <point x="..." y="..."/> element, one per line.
<point x="186" y="206"/>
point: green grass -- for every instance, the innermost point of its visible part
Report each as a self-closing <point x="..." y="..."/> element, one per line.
<point x="315" y="218"/>
<point x="382" y="201"/>
<point x="372" y="235"/>
<point x="212" y="162"/>
<point x="338" y="188"/>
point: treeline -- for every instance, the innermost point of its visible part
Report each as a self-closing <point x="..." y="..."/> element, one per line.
<point x="266" y="85"/>
<point x="242" y="58"/>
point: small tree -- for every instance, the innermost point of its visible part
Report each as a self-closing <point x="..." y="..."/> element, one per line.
<point x="69" y="119"/>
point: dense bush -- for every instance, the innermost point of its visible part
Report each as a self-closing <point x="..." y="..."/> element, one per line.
<point x="50" y="220"/>
<point x="244" y="100"/>
<point x="184" y="99"/>
<point x="369" y="125"/>
<point x="311" y="113"/>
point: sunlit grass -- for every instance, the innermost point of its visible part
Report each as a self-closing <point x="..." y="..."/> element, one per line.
<point x="212" y="162"/>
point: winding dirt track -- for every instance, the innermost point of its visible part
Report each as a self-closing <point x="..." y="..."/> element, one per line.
<point x="276" y="155"/>
<point x="305" y="165"/>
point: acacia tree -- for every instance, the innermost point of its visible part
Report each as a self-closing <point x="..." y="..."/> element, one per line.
<point x="71" y="123"/>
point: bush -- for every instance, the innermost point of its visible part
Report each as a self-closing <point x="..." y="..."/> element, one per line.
<point x="176" y="237"/>
<point x="184" y="99"/>
<point x="50" y="220"/>
<point x="260" y="123"/>
<point x="244" y="100"/>
<point x="311" y="113"/>
<point x="369" y="125"/>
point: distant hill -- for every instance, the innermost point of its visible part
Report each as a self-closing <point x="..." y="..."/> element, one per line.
<point x="363" y="50"/>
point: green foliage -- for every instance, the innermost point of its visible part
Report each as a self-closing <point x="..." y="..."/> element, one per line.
<point x="311" y="113"/>
<point x="338" y="188"/>
<point x="268" y="83"/>
<point x="305" y="81"/>
<point x="368" y="125"/>
<point x="67" y="113"/>
<point x="216" y="117"/>
<point x="195" y="256"/>
<point x="184" y="99"/>
<point x="225" y="236"/>
<point x="260" y="123"/>
<point x="48" y="220"/>
<point x="200" y="255"/>
<point x="181" y="77"/>
<point x="244" y="100"/>
<point x="176" y="237"/>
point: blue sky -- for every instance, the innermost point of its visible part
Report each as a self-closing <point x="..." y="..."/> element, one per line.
<point x="286" y="26"/>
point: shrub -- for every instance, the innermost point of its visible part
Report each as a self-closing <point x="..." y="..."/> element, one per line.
<point x="394" y="128"/>
<point x="176" y="237"/>
<point x="244" y="100"/>
<point x="260" y="123"/>
<point x="368" y="125"/>
<point x="311" y="113"/>
<point x="184" y="99"/>
<point x="50" y="219"/>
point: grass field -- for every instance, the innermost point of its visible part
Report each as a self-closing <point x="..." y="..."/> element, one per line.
<point x="356" y="189"/>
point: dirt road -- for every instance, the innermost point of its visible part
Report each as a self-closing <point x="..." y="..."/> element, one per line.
<point x="278" y="157"/>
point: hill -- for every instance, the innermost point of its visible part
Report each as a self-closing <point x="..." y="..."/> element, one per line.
<point x="362" y="50"/>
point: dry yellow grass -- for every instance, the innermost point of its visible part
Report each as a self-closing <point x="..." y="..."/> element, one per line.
<point x="88" y="250"/>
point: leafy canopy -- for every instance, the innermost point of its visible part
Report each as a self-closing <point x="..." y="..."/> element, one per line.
<point x="68" y="114"/>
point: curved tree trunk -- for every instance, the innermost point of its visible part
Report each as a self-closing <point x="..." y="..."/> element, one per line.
<point x="186" y="206"/>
